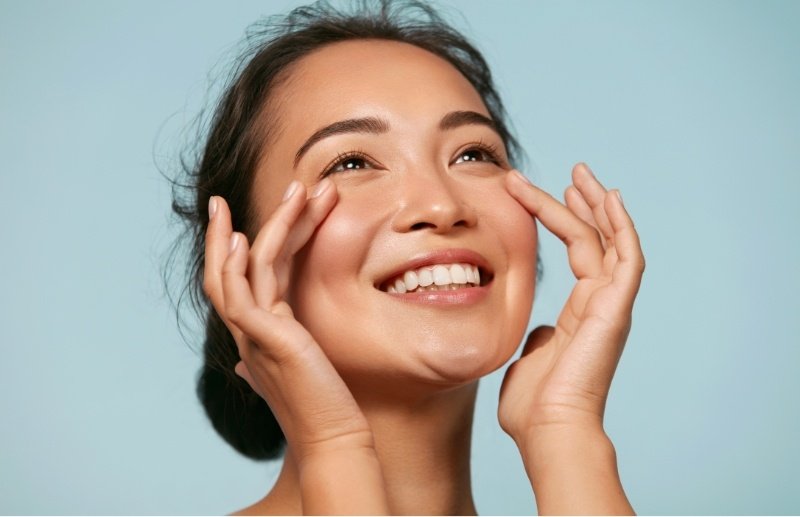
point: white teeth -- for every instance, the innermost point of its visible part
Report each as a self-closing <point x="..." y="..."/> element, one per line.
<point x="436" y="278"/>
<point x="458" y="274"/>
<point x="441" y="276"/>
<point x="411" y="280"/>
<point x="425" y="277"/>
<point x="470" y="275"/>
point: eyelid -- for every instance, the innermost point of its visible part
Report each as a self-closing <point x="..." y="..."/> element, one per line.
<point x="491" y="150"/>
<point x="343" y="157"/>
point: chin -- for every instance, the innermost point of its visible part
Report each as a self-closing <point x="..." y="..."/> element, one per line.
<point x="462" y="361"/>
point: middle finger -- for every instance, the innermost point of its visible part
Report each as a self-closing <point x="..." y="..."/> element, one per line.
<point x="584" y="248"/>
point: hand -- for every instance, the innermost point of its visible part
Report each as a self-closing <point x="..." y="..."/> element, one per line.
<point x="280" y="359"/>
<point x="564" y="374"/>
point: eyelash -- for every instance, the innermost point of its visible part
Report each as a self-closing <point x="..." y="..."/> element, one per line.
<point x="490" y="150"/>
<point x="342" y="158"/>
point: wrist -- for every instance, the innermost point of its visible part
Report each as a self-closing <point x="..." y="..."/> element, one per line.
<point x="573" y="470"/>
<point x="543" y="446"/>
<point x="359" y="442"/>
<point x="343" y="477"/>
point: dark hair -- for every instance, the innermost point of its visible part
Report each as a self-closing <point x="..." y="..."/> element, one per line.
<point x="225" y="165"/>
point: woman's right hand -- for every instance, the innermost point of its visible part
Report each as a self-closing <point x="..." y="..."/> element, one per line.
<point x="327" y="433"/>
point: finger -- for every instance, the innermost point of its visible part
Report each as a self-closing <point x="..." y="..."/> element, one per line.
<point x="322" y="200"/>
<point x="575" y="202"/>
<point x="270" y="280"/>
<point x="240" y="304"/>
<point x="270" y="241"/>
<point x="594" y="193"/>
<point x="243" y="371"/>
<point x="628" y="271"/>
<point x="584" y="247"/>
<point x="218" y="237"/>
<point x="537" y="338"/>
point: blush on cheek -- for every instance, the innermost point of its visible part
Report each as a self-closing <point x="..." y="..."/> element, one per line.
<point x="326" y="269"/>
<point x="515" y="225"/>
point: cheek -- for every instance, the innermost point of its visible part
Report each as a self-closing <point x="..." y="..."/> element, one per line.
<point x="327" y="269"/>
<point x="516" y="233"/>
<point x="513" y="225"/>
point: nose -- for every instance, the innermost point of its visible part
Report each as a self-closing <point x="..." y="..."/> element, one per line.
<point x="432" y="202"/>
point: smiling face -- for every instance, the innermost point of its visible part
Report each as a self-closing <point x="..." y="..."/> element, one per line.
<point x="419" y="170"/>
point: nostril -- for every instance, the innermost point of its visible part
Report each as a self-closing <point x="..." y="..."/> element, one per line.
<point x="421" y="226"/>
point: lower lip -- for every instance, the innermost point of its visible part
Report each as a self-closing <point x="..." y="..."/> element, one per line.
<point x="465" y="296"/>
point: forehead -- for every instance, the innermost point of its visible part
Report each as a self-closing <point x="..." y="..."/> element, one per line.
<point x="405" y="84"/>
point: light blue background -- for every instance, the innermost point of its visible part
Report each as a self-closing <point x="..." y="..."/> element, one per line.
<point x="692" y="109"/>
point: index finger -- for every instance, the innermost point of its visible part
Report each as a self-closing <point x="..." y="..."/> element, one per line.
<point x="584" y="247"/>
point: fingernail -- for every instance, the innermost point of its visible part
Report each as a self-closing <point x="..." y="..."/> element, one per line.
<point x="212" y="207"/>
<point x="291" y="190"/>
<point x="321" y="187"/>
<point x="521" y="176"/>
<point x="234" y="241"/>
<point x="619" y="196"/>
<point x="588" y="170"/>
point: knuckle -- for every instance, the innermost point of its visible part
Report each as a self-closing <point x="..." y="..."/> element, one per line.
<point x="641" y="264"/>
<point x="236" y="313"/>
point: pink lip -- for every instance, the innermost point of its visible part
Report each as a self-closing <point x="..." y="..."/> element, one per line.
<point x="446" y="256"/>
<point x="463" y="296"/>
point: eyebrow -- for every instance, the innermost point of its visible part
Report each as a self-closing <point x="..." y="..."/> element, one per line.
<point x="377" y="126"/>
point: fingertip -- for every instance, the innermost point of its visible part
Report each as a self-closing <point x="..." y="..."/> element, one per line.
<point x="291" y="190"/>
<point x="571" y="191"/>
<point x="579" y="169"/>
<point x="617" y="214"/>
<point x="618" y="198"/>
<point x="238" y="242"/>
<point x="321" y="188"/>
<point x="514" y="173"/>
<point x="212" y="208"/>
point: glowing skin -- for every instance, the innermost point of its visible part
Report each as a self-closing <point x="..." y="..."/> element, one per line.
<point x="375" y="387"/>
<point x="411" y="193"/>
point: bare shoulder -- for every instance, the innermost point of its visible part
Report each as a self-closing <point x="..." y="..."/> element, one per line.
<point x="270" y="506"/>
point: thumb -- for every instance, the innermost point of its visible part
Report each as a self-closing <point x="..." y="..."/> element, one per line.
<point x="537" y="338"/>
<point x="243" y="372"/>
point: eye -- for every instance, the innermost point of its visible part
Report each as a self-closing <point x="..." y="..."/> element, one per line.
<point x="479" y="152"/>
<point x="352" y="161"/>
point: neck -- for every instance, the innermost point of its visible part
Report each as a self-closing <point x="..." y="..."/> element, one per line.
<point x="424" y="450"/>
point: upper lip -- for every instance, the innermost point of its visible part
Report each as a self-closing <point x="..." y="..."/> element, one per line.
<point x="443" y="256"/>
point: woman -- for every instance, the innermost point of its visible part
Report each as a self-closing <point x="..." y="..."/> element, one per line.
<point x="369" y="253"/>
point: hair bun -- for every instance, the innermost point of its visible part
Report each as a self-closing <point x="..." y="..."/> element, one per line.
<point x="237" y="412"/>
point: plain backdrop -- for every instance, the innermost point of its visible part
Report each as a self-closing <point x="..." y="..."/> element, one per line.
<point x="690" y="108"/>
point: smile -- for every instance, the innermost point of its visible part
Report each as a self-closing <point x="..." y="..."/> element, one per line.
<point x="447" y="275"/>
<point x="441" y="277"/>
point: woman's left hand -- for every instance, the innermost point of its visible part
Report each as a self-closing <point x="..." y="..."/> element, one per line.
<point x="553" y="397"/>
<point x="563" y="377"/>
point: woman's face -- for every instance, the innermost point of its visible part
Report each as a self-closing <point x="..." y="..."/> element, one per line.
<point x="420" y="175"/>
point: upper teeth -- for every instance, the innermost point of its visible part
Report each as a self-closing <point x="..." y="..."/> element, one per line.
<point x="448" y="276"/>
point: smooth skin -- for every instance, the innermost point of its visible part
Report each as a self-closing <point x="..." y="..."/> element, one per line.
<point x="552" y="399"/>
<point x="349" y="453"/>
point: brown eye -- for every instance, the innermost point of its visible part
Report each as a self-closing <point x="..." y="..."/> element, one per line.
<point x="352" y="163"/>
<point x="478" y="154"/>
<point x="473" y="155"/>
<point x="348" y="162"/>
